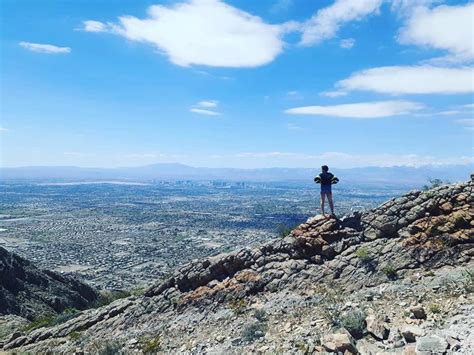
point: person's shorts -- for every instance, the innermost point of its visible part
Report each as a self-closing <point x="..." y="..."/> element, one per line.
<point x="326" y="189"/>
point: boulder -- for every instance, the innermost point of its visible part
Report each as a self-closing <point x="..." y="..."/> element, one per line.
<point x="418" y="312"/>
<point x="411" y="332"/>
<point x="377" y="327"/>
<point x="339" y="342"/>
<point x="431" y="344"/>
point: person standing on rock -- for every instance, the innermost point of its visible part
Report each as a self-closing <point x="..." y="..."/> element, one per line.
<point x="326" y="179"/>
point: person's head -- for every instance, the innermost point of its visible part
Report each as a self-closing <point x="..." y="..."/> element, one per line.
<point x="325" y="168"/>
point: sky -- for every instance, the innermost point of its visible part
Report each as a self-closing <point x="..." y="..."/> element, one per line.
<point x="247" y="84"/>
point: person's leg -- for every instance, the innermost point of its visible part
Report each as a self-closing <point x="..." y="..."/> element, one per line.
<point x="331" y="204"/>
<point x="322" y="202"/>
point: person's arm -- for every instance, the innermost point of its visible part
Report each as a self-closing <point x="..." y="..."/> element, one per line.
<point x="317" y="179"/>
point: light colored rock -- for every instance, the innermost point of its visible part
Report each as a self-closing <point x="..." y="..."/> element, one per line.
<point x="339" y="342"/>
<point x="432" y="344"/>
<point x="377" y="327"/>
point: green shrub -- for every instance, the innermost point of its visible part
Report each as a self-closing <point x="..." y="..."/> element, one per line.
<point x="75" y="335"/>
<point x="68" y="313"/>
<point x="108" y="296"/>
<point x="435" y="308"/>
<point x="363" y="254"/>
<point x="151" y="346"/>
<point x="254" y="331"/>
<point x="433" y="183"/>
<point x="354" y="323"/>
<point x="390" y="271"/>
<point x="283" y="230"/>
<point x="238" y="306"/>
<point x="40" y="322"/>
<point x="52" y="319"/>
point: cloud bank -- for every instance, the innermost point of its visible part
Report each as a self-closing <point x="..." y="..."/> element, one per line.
<point x="375" y="109"/>
<point x="44" y="48"/>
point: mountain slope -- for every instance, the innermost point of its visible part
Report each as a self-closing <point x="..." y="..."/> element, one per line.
<point x="397" y="277"/>
<point x="29" y="292"/>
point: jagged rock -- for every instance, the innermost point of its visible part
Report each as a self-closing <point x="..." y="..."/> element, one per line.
<point x="411" y="333"/>
<point x="418" y="312"/>
<point x="432" y="344"/>
<point x="395" y="338"/>
<point x="377" y="327"/>
<point x="340" y="342"/>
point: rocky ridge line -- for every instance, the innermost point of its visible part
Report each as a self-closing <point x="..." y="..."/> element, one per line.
<point x="419" y="231"/>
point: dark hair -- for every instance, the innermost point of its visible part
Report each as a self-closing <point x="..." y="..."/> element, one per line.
<point x="325" y="168"/>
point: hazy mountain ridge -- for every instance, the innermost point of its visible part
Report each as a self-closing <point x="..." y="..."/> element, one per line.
<point x="393" y="175"/>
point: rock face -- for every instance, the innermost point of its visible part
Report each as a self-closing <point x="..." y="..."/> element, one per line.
<point x="290" y="294"/>
<point x="29" y="292"/>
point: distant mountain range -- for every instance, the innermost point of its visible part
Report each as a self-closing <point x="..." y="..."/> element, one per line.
<point x="390" y="175"/>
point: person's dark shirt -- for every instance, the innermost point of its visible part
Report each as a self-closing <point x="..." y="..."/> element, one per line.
<point x="326" y="178"/>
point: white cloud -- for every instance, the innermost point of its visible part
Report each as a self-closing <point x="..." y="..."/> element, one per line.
<point x="347" y="43"/>
<point x="327" y="21"/>
<point x="203" y="108"/>
<point x="204" y="112"/>
<point x="360" y="110"/>
<point x="449" y="113"/>
<point x="44" y="48"/>
<point x="207" y="103"/>
<point x="448" y="28"/>
<point x="205" y="32"/>
<point x="3" y="130"/>
<point x="333" y="93"/>
<point x="423" y="79"/>
<point x="94" y="26"/>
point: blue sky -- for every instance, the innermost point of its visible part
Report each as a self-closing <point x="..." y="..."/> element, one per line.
<point x="289" y="83"/>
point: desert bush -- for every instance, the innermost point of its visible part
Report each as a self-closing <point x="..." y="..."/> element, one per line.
<point x="390" y="271"/>
<point x="108" y="296"/>
<point x="363" y="254"/>
<point x="354" y="323"/>
<point x="49" y="320"/>
<point x="435" y="308"/>
<point x="67" y="314"/>
<point x="433" y="183"/>
<point x="260" y="315"/>
<point x="254" y="331"/>
<point x="238" y="306"/>
<point x="283" y="229"/>
<point x="40" y="322"/>
<point x="151" y="346"/>
<point x="75" y="335"/>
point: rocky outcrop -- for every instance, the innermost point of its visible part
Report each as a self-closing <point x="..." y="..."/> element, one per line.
<point x="29" y="292"/>
<point x="325" y="274"/>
